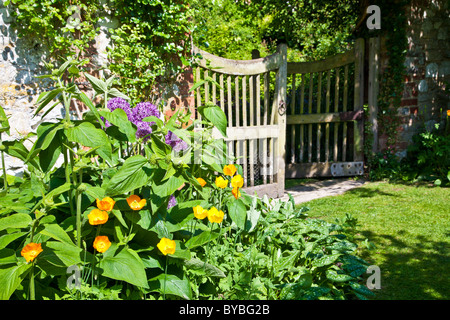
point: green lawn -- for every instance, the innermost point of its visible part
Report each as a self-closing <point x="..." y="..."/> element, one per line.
<point x="410" y="226"/>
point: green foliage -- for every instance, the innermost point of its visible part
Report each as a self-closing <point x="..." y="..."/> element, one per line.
<point x="262" y="249"/>
<point x="312" y="29"/>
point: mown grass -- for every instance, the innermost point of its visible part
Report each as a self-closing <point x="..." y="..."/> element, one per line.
<point x="410" y="227"/>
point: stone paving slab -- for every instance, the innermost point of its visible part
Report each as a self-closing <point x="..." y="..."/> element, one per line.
<point x="320" y="189"/>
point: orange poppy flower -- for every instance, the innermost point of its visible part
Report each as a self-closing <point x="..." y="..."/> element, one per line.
<point x="201" y="181"/>
<point x="166" y="246"/>
<point x="135" y="202"/>
<point x="101" y="243"/>
<point x="236" y="193"/>
<point x="229" y="170"/>
<point x="199" y="212"/>
<point x="237" y="181"/>
<point x="215" y="215"/>
<point x="97" y="217"/>
<point x="106" y="204"/>
<point x="31" y="251"/>
<point x="221" y="182"/>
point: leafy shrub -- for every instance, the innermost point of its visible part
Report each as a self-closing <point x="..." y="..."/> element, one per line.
<point x="142" y="208"/>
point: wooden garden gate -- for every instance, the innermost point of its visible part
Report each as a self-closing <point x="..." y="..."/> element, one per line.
<point x="252" y="95"/>
<point x="325" y="126"/>
<point x="288" y="119"/>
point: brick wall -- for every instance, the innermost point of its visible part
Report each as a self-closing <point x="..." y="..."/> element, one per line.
<point x="427" y="63"/>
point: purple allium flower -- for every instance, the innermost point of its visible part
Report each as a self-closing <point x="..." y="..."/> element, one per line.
<point x="172" y="202"/>
<point x="141" y="111"/>
<point x="175" y="142"/>
<point x="115" y="103"/>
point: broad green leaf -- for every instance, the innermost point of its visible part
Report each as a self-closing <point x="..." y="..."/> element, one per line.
<point x="120" y="119"/>
<point x="201" y="239"/>
<point x="168" y="187"/>
<point x="325" y="260"/>
<point x="134" y="174"/>
<point x="11" y="278"/>
<point x="61" y="254"/>
<point x="173" y="285"/>
<point x="338" y="277"/>
<point x="7" y="256"/>
<point x="98" y="85"/>
<point x="88" y="135"/>
<point x="217" y="117"/>
<point x="121" y="263"/>
<point x="203" y="268"/>
<point x="4" y="123"/>
<point x="45" y="98"/>
<point x="293" y="291"/>
<point x="10" y="237"/>
<point x="238" y="213"/>
<point x="18" y="220"/>
<point x="116" y="93"/>
<point x="56" y="232"/>
<point x="84" y="98"/>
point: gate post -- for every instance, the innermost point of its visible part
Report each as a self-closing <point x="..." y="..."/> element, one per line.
<point x="281" y="83"/>
<point x="358" y="147"/>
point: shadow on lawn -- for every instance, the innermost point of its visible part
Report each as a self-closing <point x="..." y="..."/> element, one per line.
<point x="369" y="193"/>
<point x="411" y="271"/>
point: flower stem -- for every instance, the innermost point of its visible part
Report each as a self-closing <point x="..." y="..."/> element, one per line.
<point x="32" y="290"/>
<point x="165" y="279"/>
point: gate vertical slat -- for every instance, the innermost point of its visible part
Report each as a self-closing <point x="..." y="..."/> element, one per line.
<point x="336" y="109"/>
<point x="293" y="126"/>
<point x="344" y="106"/>
<point x="302" y="127"/>
<point x="310" y="100"/>
<point x="358" y="100"/>
<point x="319" y="110"/>
<point x="327" y="110"/>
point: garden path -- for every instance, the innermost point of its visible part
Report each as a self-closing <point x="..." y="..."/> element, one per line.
<point x="319" y="189"/>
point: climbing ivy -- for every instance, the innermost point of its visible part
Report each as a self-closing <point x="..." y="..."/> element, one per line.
<point x="149" y="39"/>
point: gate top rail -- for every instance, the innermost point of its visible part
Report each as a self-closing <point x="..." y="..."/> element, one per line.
<point x="326" y="64"/>
<point x="239" y="67"/>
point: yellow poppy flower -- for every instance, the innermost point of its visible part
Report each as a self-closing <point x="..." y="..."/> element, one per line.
<point x="237" y="181"/>
<point x="201" y="181"/>
<point x="106" y="204"/>
<point x="97" y="217"/>
<point x="166" y="246"/>
<point x="31" y="251"/>
<point x="236" y="193"/>
<point x="229" y="170"/>
<point x="102" y="243"/>
<point x="221" y="182"/>
<point x="135" y="202"/>
<point x="215" y="215"/>
<point x="199" y="212"/>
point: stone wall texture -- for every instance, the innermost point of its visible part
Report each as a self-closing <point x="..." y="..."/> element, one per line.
<point x="424" y="100"/>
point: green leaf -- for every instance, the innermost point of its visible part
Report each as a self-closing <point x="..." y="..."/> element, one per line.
<point x="84" y="98"/>
<point x="45" y="98"/>
<point x="98" y="85"/>
<point x="10" y="237"/>
<point x="4" y="123"/>
<point x="204" y="268"/>
<point x="7" y="256"/>
<point x="56" y="232"/>
<point x="134" y="174"/>
<point x="61" y="254"/>
<point x="293" y="291"/>
<point x="325" y="260"/>
<point x="88" y="135"/>
<point x="168" y="187"/>
<point x="116" y="93"/>
<point x="338" y="277"/>
<point x="238" y="213"/>
<point x="120" y="119"/>
<point x="11" y="278"/>
<point x="201" y="239"/>
<point x="174" y="285"/>
<point x="18" y="220"/>
<point x="122" y="263"/>
<point x="217" y="117"/>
